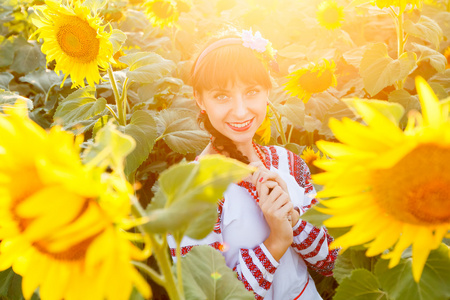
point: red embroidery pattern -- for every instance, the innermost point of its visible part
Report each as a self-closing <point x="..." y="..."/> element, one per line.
<point x="250" y="188"/>
<point x="268" y="163"/>
<point x="300" y="228"/>
<point x="264" y="260"/>
<point x="185" y="250"/>
<point x="308" y="241"/>
<point x="275" y="157"/>
<point x="315" y="251"/>
<point x="262" y="282"/>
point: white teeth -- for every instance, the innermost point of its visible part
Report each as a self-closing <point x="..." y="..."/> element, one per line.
<point x="239" y="125"/>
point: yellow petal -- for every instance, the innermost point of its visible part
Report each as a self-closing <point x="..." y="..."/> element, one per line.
<point x="431" y="110"/>
<point x="420" y="250"/>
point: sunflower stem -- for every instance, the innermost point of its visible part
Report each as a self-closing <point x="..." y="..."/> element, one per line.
<point x="280" y="124"/>
<point x="157" y="278"/>
<point x="290" y="133"/>
<point x="117" y="98"/>
<point x="179" y="274"/>
<point x="161" y="254"/>
<point x="124" y="98"/>
<point x="400" y="42"/>
<point x="112" y="112"/>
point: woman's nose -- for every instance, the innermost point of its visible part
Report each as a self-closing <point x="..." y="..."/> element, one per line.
<point x="240" y="107"/>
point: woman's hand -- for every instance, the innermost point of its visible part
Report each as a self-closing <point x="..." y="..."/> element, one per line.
<point x="263" y="174"/>
<point x="277" y="208"/>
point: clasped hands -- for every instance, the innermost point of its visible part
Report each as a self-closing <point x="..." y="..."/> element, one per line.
<point x="274" y="199"/>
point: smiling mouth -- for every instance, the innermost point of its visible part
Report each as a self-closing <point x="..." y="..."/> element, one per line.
<point x="240" y="126"/>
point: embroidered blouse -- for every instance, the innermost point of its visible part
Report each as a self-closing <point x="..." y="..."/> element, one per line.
<point x="241" y="230"/>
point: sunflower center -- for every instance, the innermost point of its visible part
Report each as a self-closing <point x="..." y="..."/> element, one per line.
<point x="73" y="253"/>
<point x="162" y="9"/>
<point x="315" y="81"/>
<point x="331" y="15"/>
<point x="78" y="39"/>
<point x="417" y="189"/>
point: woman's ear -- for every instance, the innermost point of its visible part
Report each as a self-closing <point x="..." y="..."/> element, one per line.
<point x="198" y="100"/>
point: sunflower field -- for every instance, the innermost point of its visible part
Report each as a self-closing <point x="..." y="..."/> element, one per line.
<point x="98" y="124"/>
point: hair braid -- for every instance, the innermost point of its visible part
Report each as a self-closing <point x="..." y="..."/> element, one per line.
<point x="221" y="142"/>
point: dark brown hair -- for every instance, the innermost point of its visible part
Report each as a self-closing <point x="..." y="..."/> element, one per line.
<point x="222" y="66"/>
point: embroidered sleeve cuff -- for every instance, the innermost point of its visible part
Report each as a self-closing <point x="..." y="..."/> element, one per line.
<point x="266" y="258"/>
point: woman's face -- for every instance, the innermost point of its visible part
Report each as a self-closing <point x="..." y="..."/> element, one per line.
<point x="236" y="111"/>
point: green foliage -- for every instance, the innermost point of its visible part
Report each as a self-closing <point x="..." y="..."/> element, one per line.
<point x="79" y="106"/>
<point x="379" y="70"/>
<point x="186" y="201"/>
<point x="109" y="148"/>
<point x="361" y="285"/>
<point x="142" y="128"/>
<point x="205" y="276"/>
<point x="399" y="283"/>
<point x="180" y="131"/>
<point x="147" y="67"/>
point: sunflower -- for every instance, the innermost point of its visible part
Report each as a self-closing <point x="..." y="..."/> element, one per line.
<point x="264" y="131"/>
<point x="330" y="15"/>
<point x="399" y="3"/>
<point x="162" y="12"/>
<point x="447" y="56"/>
<point x="74" y="38"/>
<point x="315" y="78"/>
<point x="391" y="186"/>
<point x="118" y="65"/>
<point x="56" y="230"/>
<point x="309" y="156"/>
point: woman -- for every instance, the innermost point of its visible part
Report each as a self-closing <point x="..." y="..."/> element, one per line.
<point x="259" y="229"/>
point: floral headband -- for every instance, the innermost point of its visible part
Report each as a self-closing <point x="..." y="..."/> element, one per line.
<point x="260" y="46"/>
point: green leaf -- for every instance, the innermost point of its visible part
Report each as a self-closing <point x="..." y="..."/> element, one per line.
<point x="443" y="79"/>
<point x="393" y="111"/>
<point x="117" y="39"/>
<point x="206" y="276"/>
<point x="9" y="98"/>
<point x="6" y="53"/>
<point x="338" y="111"/>
<point x="350" y="260"/>
<point x="181" y="132"/>
<point x="437" y="60"/>
<point x="426" y="29"/>
<point x="142" y="128"/>
<point x="28" y="56"/>
<point x="361" y="285"/>
<point x="5" y="79"/>
<point x="409" y="102"/>
<point x="10" y="285"/>
<point x="293" y="109"/>
<point x="191" y="190"/>
<point x="110" y="148"/>
<point x="43" y="79"/>
<point x="378" y="70"/>
<point x="147" y="67"/>
<point x="294" y="51"/>
<point x="434" y="283"/>
<point x="79" y="106"/>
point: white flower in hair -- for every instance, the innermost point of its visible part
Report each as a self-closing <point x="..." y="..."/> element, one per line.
<point x="255" y="42"/>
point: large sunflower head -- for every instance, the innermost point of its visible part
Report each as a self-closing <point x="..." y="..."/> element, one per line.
<point x="56" y="230"/>
<point x="391" y="186"/>
<point x="162" y="12"/>
<point x="74" y="38"/>
<point x="315" y="78"/>
<point x="330" y="15"/>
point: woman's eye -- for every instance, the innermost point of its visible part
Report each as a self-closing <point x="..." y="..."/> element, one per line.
<point x="221" y="97"/>
<point x="252" y="92"/>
